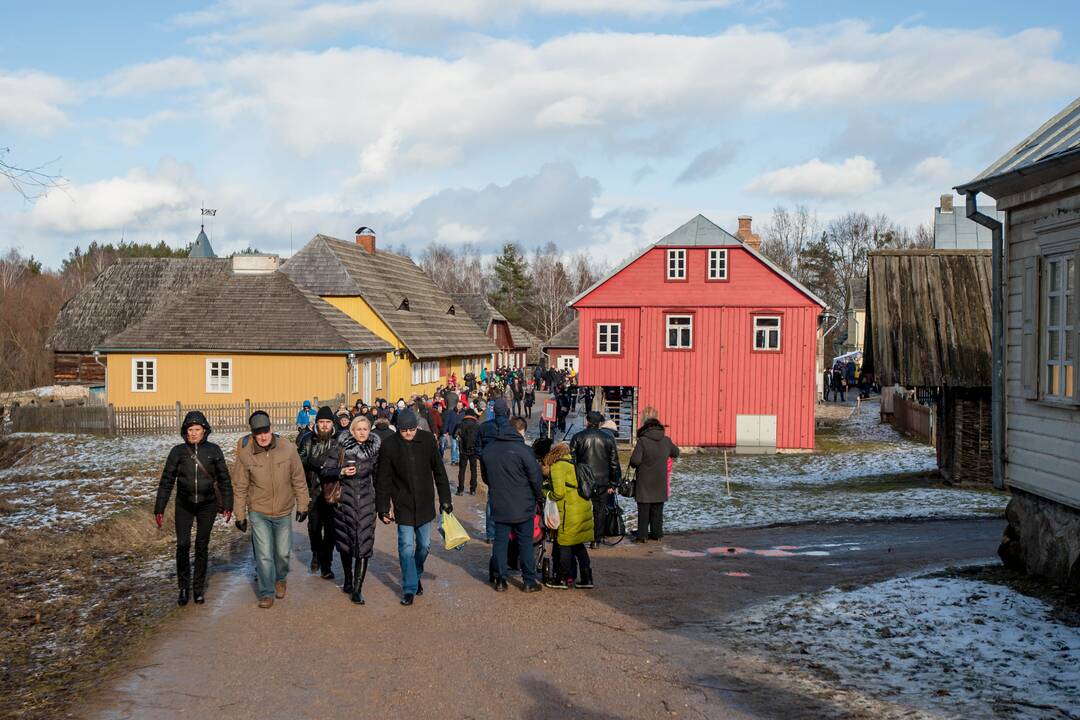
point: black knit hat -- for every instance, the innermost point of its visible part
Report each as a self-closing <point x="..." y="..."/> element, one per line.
<point x="325" y="413"/>
<point x="407" y="420"/>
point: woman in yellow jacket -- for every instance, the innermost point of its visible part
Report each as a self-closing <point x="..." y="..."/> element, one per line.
<point x="575" y="518"/>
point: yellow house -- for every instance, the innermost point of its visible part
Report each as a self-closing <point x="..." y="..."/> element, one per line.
<point x="393" y="298"/>
<point x="247" y="334"/>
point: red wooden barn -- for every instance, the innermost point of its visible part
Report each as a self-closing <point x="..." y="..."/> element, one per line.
<point x="703" y="332"/>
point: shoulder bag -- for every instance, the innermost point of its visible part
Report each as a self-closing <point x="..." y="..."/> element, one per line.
<point x="218" y="495"/>
<point x="331" y="489"/>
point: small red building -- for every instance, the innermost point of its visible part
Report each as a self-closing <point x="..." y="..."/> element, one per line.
<point x="705" y="333"/>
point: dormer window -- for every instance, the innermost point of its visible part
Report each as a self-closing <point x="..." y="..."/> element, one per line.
<point x="404" y="304"/>
<point x="676" y="264"/>
<point x="451" y="311"/>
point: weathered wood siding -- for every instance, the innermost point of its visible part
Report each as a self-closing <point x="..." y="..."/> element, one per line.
<point x="77" y="369"/>
<point x="1042" y="439"/>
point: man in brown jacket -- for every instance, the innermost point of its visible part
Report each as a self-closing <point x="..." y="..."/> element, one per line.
<point x="268" y="483"/>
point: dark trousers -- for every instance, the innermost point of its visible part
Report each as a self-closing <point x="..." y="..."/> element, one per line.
<point x="202" y="516"/>
<point x="572" y="555"/>
<point x="599" y="511"/>
<point x="650" y="521"/>
<point x="320" y="527"/>
<point x="526" y="558"/>
<point x="588" y="405"/>
<point x="518" y="406"/>
<point x="471" y="461"/>
<point x="528" y="410"/>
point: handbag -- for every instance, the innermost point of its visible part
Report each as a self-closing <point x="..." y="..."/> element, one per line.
<point x="614" y="526"/>
<point x="551" y="515"/>
<point x="218" y="495"/>
<point x="331" y="489"/>
<point x="628" y="484"/>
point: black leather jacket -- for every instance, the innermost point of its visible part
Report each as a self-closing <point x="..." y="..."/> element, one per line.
<point x="598" y="450"/>
<point x="193" y="486"/>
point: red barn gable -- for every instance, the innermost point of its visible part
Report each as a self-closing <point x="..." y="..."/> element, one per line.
<point x="709" y="336"/>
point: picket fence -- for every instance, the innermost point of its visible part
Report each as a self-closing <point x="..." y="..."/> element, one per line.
<point x="113" y="420"/>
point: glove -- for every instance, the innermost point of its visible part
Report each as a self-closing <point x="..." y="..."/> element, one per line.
<point x="228" y="516"/>
<point x="241" y="525"/>
<point x="159" y="518"/>
<point x="301" y="516"/>
<point x="447" y="508"/>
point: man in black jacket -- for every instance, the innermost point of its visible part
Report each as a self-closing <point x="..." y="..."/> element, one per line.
<point x="315" y="448"/>
<point x="469" y="452"/>
<point x="598" y="450"/>
<point x="514" y="479"/>
<point x="489" y="430"/>
<point x="410" y="470"/>
<point x="194" y="467"/>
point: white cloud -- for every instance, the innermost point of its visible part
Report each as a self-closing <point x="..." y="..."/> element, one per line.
<point x="133" y="131"/>
<point x="32" y="100"/>
<point x="157" y="76"/>
<point x="935" y="170"/>
<point x="820" y="179"/>
<point x="397" y="111"/>
<point x="144" y="198"/>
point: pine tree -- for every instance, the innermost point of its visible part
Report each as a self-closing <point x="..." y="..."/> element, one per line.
<point x="513" y="286"/>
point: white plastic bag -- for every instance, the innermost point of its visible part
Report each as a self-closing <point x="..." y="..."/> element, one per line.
<point x="551" y="514"/>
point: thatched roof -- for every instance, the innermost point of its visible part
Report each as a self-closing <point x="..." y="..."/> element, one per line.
<point x="565" y="338"/>
<point x="533" y="353"/>
<point x="928" y="318"/>
<point x="248" y="313"/>
<point x="123" y="294"/>
<point x="327" y="266"/>
<point x="520" y="336"/>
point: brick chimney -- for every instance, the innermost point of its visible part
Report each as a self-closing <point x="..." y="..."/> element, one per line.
<point x="365" y="238"/>
<point x="946" y="203"/>
<point x="747" y="235"/>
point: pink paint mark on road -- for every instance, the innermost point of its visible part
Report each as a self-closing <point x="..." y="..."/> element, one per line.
<point x="685" y="553"/>
<point x="737" y="574"/>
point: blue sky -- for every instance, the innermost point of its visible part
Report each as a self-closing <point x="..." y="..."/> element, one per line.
<point x="599" y="124"/>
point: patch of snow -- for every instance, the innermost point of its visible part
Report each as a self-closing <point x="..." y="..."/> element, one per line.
<point x="854" y="479"/>
<point x="962" y="647"/>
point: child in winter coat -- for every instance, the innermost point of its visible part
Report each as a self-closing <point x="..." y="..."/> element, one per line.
<point x="575" y="518"/>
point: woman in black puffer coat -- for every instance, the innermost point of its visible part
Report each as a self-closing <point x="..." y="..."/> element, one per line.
<point x="354" y="516"/>
<point x="194" y="468"/>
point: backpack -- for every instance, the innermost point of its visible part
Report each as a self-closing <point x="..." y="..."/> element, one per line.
<point x="586" y="481"/>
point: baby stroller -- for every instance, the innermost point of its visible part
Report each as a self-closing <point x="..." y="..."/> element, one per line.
<point x="540" y="558"/>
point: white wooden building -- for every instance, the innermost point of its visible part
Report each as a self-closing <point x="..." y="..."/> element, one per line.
<point x="1037" y="185"/>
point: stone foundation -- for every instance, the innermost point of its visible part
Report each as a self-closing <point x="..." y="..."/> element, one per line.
<point x="1042" y="538"/>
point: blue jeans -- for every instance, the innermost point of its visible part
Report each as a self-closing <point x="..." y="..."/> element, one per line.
<point x="524" y="532"/>
<point x="455" y="450"/>
<point x="271" y="538"/>
<point x="413" y="543"/>
<point x="489" y="524"/>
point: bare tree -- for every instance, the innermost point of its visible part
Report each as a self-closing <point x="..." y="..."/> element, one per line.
<point x="924" y="236"/>
<point x="787" y="235"/>
<point x="30" y="182"/>
<point x="552" y="288"/>
<point x="585" y="271"/>
<point x="455" y="271"/>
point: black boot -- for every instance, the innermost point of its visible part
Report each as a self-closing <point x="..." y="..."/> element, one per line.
<point x="347" y="571"/>
<point x="182" y="598"/>
<point x="359" y="574"/>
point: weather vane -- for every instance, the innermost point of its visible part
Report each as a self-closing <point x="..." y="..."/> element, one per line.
<point x="209" y="211"/>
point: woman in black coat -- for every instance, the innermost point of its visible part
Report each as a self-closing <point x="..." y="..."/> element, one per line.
<point x="650" y="457"/>
<point x="354" y="465"/>
<point x="195" y="468"/>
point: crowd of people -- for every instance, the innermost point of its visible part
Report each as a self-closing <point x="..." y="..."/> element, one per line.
<point x="352" y="468"/>
<point x="843" y="377"/>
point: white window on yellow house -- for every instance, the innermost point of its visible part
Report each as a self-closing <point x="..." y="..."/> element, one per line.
<point x="219" y="375"/>
<point x="354" y="377"/>
<point x="143" y="375"/>
<point x="417" y="373"/>
<point x="430" y="372"/>
<point x="378" y="373"/>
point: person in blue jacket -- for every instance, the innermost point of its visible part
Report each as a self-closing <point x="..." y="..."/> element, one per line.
<point x="305" y="417"/>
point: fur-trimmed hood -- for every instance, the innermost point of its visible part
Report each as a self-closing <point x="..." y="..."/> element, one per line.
<point x="556" y="453"/>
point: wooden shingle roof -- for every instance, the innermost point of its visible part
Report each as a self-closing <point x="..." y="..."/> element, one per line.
<point x="248" y="313"/>
<point x="565" y="338"/>
<point x="407" y="300"/>
<point x="928" y="318"/>
<point x="478" y="308"/>
<point x="123" y="294"/>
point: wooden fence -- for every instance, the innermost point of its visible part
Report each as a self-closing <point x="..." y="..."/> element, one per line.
<point x="913" y="419"/>
<point x="151" y="420"/>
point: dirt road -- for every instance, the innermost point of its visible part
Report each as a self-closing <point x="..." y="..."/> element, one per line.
<point x="638" y="646"/>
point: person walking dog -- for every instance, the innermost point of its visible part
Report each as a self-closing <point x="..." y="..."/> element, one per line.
<point x="410" y="471"/>
<point x="269" y="485"/>
<point x="196" y="468"/>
